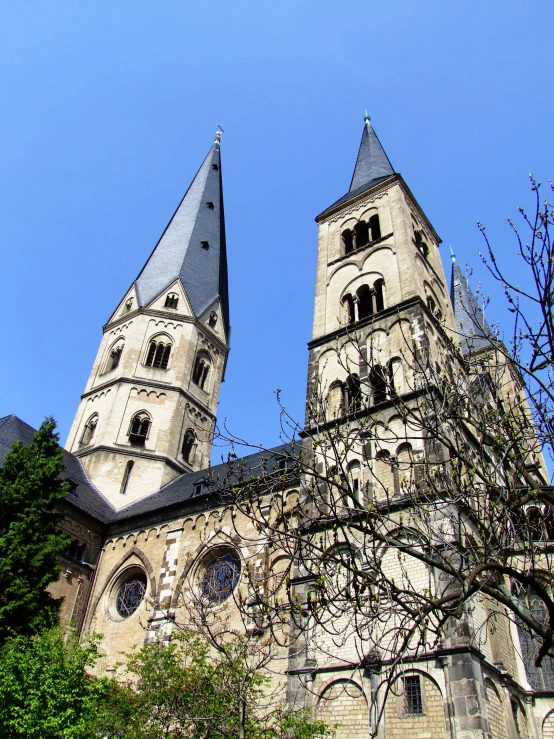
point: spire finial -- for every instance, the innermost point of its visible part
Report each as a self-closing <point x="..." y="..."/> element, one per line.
<point x="452" y="255"/>
<point x="367" y="117"/>
<point x="219" y="133"/>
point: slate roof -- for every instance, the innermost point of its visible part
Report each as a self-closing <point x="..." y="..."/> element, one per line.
<point x="184" y="487"/>
<point x="83" y="495"/>
<point x="179" y="252"/>
<point x="372" y="167"/>
<point x="471" y="324"/>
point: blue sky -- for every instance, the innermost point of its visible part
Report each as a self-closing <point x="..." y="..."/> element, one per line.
<point x="109" y="108"/>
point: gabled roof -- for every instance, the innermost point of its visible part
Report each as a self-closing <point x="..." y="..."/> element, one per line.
<point x="83" y="494"/>
<point x="372" y="167"/>
<point x="193" y="247"/>
<point x="472" y="327"/>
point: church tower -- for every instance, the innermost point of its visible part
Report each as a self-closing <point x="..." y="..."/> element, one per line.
<point x="148" y="411"/>
<point x="381" y="295"/>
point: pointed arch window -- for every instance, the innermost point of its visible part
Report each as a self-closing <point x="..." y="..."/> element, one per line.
<point x="189" y="446"/>
<point x="89" y="430"/>
<point x="128" y="305"/>
<point x="172" y="300"/>
<point x="201" y="369"/>
<point x="213" y="319"/>
<point x="420" y="244"/>
<point x="158" y="354"/>
<point x="114" y="355"/>
<point x="139" y="428"/>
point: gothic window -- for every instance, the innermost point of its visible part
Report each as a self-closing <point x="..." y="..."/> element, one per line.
<point x="201" y="369"/>
<point x="375" y="227"/>
<point x="420" y="244"/>
<point x="128" y="305"/>
<point x="127" y="476"/>
<point x="348" y="241"/>
<point x="130" y="594"/>
<point x="158" y="353"/>
<point x="90" y="428"/>
<point x="220" y="575"/>
<point x="365" y="302"/>
<point x="431" y="304"/>
<point x="378" y="291"/>
<point x="213" y="319"/>
<point x="361" y="230"/>
<point x="378" y="383"/>
<point x="189" y="445"/>
<point x="172" y="300"/>
<point x="348" y="305"/>
<point x="353" y="393"/>
<point x="140" y="426"/>
<point x="413" y="698"/>
<point x="540" y="678"/>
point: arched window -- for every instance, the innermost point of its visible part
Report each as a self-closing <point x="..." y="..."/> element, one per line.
<point x="404" y="465"/>
<point x="361" y="230"/>
<point x="396" y="375"/>
<point x="348" y="305"/>
<point x="375" y="227"/>
<point x="172" y="300"/>
<point x="128" y="304"/>
<point x="213" y="319"/>
<point x="535" y="523"/>
<point x="126" y="476"/>
<point x="335" y="398"/>
<point x="383" y="470"/>
<point x="431" y="304"/>
<point x="158" y="353"/>
<point x="355" y="480"/>
<point x="420" y="243"/>
<point x="353" y="393"/>
<point x="378" y="383"/>
<point x="115" y="356"/>
<point x="201" y="369"/>
<point x="189" y="446"/>
<point x="348" y="241"/>
<point x="365" y="302"/>
<point x="140" y="426"/>
<point x="378" y="292"/>
<point x="90" y="428"/>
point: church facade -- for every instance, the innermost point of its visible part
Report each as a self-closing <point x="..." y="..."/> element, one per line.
<point x="145" y="525"/>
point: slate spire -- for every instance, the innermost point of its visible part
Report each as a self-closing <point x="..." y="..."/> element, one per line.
<point x="192" y="247"/>
<point x="372" y="162"/>
<point x="472" y="327"/>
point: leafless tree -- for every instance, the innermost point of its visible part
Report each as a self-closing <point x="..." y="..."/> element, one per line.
<point x="386" y="541"/>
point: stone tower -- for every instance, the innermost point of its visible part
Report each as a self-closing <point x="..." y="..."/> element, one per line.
<point x="148" y="411"/>
<point x="379" y="280"/>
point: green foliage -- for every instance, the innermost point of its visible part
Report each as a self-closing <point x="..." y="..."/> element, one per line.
<point x="187" y="689"/>
<point x="30" y="488"/>
<point x="45" y="691"/>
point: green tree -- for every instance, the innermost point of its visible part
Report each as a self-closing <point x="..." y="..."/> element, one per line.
<point x="188" y="689"/>
<point x="45" y="691"/>
<point x="30" y="541"/>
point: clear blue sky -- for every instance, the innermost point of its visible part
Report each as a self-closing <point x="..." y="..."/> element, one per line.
<point x="108" y="108"/>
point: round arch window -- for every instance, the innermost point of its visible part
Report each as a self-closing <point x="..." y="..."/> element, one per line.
<point x="220" y="575"/>
<point x="130" y="594"/>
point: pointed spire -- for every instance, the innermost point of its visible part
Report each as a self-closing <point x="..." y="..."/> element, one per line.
<point x="472" y="327"/>
<point x="372" y="161"/>
<point x="372" y="166"/>
<point x="192" y="247"/>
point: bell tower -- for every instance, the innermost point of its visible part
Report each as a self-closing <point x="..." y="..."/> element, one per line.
<point x="148" y="410"/>
<point x="380" y="292"/>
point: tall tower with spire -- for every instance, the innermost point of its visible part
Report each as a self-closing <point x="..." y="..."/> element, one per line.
<point x="148" y="410"/>
<point x="380" y="293"/>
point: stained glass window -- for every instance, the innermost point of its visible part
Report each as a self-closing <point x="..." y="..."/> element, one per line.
<point x="130" y="594"/>
<point x="221" y="576"/>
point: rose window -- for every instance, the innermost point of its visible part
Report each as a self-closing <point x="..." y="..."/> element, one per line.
<point x="130" y="594"/>
<point x="221" y="576"/>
